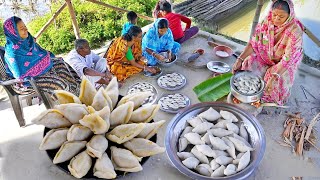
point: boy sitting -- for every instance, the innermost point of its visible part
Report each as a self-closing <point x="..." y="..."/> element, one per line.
<point x="174" y="19"/>
<point x="132" y="20"/>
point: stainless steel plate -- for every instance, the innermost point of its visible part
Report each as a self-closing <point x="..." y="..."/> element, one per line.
<point x="172" y="81"/>
<point x="143" y="87"/>
<point x="173" y="103"/>
<point x="255" y="130"/>
<point x="218" y="66"/>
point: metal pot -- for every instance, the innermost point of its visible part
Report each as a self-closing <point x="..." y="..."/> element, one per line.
<point x="167" y="62"/>
<point x="245" y="98"/>
<point x="178" y="123"/>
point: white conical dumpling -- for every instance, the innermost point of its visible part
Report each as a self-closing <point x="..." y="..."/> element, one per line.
<point x="103" y="168"/>
<point x="97" y="146"/>
<point x="210" y="115"/>
<point x="244" y="161"/>
<point x="78" y="132"/>
<point x="73" y="111"/>
<point x="96" y="124"/>
<point x="218" y="143"/>
<point x="144" y="113"/>
<point x="125" y="132"/>
<point x="143" y="147"/>
<point x="137" y="98"/>
<point x="52" y="119"/>
<point x="191" y="162"/>
<point x="87" y="91"/>
<point x="230" y="169"/>
<point x="54" y="139"/>
<point x="112" y="91"/>
<point x="80" y="165"/>
<point x="239" y="145"/>
<point x="150" y="129"/>
<point x="104" y="114"/>
<point x="101" y="100"/>
<point x="228" y="115"/>
<point x="65" y="97"/>
<point x="202" y="158"/>
<point x="219" y="172"/>
<point x="219" y="132"/>
<point x="121" y="114"/>
<point x="68" y="150"/>
<point x="243" y="132"/>
<point x="124" y="160"/>
<point x="231" y="150"/>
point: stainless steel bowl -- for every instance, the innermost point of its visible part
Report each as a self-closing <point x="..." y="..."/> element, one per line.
<point x="255" y="130"/>
<point x="246" y="98"/>
<point x="166" y="63"/>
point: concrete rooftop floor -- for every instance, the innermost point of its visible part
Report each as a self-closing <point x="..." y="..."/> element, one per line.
<point x="20" y="157"/>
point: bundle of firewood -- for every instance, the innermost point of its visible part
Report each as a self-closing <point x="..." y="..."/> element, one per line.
<point x="298" y="134"/>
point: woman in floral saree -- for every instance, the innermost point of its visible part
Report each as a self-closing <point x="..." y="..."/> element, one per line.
<point x="275" y="51"/>
<point x="124" y="55"/>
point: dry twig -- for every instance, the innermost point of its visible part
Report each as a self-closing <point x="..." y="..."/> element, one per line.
<point x="299" y="147"/>
<point x="312" y="123"/>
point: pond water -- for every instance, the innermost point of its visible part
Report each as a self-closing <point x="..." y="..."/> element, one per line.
<point x="308" y="12"/>
<point x="25" y="12"/>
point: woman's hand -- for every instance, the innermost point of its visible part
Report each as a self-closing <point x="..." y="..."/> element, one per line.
<point x="268" y="88"/>
<point x="169" y="55"/>
<point x="270" y="83"/>
<point x="159" y="57"/>
<point x="237" y="65"/>
<point x="150" y="69"/>
<point x="108" y="75"/>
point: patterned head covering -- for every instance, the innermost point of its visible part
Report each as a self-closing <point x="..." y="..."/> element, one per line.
<point x="24" y="57"/>
<point x="288" y="49"/>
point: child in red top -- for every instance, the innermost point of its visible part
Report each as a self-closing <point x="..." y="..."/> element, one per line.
<point x="174" y="19"/>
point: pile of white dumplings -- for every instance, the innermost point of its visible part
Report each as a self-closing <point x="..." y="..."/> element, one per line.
<point x="173" y="101"/>
<point x="215" y="144"/>
<point x="82" y="126"/>
<point x="247" y="84"/>
<point x="171" y="80"/>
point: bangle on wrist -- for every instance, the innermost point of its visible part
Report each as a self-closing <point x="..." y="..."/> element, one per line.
<point x="153" y="53"/>
<point x="240" y="58"/>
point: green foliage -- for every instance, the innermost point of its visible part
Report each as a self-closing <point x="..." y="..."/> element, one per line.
<point x="2" y="37"/>
<point x="97" y="23"/>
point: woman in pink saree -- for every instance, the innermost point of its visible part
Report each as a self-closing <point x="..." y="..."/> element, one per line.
<point x="275" y="51"/>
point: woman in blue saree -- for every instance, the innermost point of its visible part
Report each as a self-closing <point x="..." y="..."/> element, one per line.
<point x="159" y="39"/>
<point x="24" y="58"/>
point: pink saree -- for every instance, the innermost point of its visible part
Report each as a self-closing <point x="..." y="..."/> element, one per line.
<point x="270" y="57"/>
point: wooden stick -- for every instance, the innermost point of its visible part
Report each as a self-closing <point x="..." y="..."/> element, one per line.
<point x="299" y="147"/>
<point x="311" y="36"/>
<point x="312" y="123"/>
<point x="73" y="18"/>
<point x="291" y="130"/>
<point x="256" y="16"/>
<point x="55" y="15"/>
<point x="118" y="9"/>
